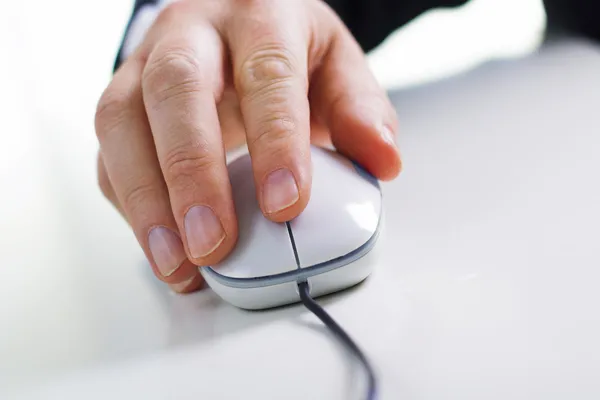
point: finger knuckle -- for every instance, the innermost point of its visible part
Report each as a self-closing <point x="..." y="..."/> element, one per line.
<point x="274" y="133"/>
<point x="174" y="72"/>
<point x="139" y="196"/>
<point x="265" y="66"/>
<point x="183" y="165"/>
<point x="113" y="108"/>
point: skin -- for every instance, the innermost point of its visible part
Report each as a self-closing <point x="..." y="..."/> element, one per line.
<point x="209" y="76"/>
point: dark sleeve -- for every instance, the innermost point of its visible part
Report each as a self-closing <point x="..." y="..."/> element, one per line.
<point x="371" y="21"/>
<point x="574" y="16"/>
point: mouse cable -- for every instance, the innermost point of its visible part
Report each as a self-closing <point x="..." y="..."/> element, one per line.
<point x="343" y="337"/>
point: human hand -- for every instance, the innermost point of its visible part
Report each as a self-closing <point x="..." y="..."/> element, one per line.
<point x="208" y="75"/>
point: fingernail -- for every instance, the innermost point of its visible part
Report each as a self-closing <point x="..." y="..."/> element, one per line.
<point x="167" y="250"/>
<point x="203" y="230"/>
<point x="279" y="190"/>
<point x="181" y="286"/>
<point x="387" y="135"/>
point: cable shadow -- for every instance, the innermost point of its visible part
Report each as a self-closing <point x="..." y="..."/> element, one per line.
<point x="355" y="377"/>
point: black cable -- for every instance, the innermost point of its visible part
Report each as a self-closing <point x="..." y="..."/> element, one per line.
<point x="339" y="332"/>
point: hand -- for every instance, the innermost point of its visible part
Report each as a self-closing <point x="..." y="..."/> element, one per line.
<point x="209" y="75"/>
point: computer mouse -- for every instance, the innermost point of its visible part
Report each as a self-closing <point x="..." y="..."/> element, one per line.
<point x="330" y="245"/>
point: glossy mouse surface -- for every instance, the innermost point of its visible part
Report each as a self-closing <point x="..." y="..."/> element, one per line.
<point x="329" y="244"/>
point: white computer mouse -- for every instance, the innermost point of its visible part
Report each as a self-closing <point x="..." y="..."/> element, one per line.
<point x="330" y="244"/>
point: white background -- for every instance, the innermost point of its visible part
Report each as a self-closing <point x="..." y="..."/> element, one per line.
<point x="69" y="265"/>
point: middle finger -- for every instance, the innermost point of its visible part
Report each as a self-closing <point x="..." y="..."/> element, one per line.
<point x="269" y="56"/>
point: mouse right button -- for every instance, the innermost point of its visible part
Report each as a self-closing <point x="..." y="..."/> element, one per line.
<point x="342" y="216"/>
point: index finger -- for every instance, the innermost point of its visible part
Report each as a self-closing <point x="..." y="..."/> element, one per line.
<point x="269" y="55"/>
<point x="181" y="83"/>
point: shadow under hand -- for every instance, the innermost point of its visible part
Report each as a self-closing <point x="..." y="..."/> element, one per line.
<point x="202" y="316"/>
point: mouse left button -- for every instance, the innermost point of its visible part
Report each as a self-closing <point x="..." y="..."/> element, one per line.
<point x="263" y="248"/>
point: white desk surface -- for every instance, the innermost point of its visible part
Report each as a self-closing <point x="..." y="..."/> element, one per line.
<point x="487" y="289"/>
